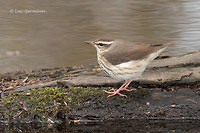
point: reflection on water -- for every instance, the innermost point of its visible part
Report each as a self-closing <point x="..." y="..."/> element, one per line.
<point x="125" y="126"/>
<point x="55" y="38"/>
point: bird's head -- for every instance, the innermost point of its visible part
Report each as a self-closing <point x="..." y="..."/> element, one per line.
<point x="101" y="45"/>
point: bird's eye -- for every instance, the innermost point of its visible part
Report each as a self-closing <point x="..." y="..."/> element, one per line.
<point x="100" y="44"/>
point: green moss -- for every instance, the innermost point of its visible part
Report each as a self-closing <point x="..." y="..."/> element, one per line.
<point x="34" y="101"/>
<point x="78" y="94"/>
<point x="44" y="101"/>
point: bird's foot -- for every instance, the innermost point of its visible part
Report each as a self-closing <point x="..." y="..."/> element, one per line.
<point x="122" y="88"/>
<point x="115" y="92"/>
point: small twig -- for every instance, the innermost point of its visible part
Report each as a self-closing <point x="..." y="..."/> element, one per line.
<point x="67" y="106"/>
<point x="18" y="114"/>
<point x="25" y="80"/>
<point x="192" y="101"/>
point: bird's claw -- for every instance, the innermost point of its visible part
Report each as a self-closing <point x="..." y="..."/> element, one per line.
<point x="128" y="89"/>
<point x="110" y="92"/>
<point x="114" y="92"/>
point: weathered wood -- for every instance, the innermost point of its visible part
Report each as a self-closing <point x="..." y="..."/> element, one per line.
<point x="170" y="74"/>
<point x="191" y="58"/>
<point x="169" y="70"/>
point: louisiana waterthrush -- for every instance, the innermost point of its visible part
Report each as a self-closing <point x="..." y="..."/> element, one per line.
<point x="124" y="60"/>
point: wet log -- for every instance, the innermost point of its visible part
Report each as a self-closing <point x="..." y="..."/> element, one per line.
<point x="179" y="70"/>
<point x="187" y="59"/>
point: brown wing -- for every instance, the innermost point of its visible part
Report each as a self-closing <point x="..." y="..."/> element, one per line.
<point x="138" y="51"/>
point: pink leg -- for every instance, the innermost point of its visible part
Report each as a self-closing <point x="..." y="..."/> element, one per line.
<point x="114" y="89"/>
<point x="114" y="92"/>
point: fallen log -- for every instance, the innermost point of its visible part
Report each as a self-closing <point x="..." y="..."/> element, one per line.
<point x="179" y="70"/>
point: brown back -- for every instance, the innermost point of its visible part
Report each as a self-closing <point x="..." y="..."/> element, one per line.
<point x="135" y="52"/>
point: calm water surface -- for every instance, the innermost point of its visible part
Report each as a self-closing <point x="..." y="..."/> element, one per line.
<point x="55" y="38"/>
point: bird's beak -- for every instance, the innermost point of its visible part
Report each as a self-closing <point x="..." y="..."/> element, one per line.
<point x="89" y="42"/>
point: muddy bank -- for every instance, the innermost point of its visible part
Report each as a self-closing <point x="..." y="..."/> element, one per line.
<point x="168" y="89"/>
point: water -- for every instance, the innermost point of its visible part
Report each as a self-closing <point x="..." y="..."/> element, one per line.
<point x="55" y="38"/>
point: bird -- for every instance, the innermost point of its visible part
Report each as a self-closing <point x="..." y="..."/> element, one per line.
<point x="125" y="60"/>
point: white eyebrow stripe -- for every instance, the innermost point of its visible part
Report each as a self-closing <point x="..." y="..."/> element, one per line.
<point x="104" y="42"/>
